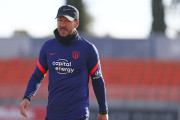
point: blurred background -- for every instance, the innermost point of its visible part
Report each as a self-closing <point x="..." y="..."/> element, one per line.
<point x="138" y="43"/>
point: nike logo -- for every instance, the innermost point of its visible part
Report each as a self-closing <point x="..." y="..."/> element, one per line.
<point x="66" y="9"/>
<point x="52" y="53"/>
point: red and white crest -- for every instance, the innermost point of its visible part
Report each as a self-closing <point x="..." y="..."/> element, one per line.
<point x="75" y="54"/>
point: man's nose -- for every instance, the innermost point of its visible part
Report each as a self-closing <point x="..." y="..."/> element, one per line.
<point x="63" y="24"/>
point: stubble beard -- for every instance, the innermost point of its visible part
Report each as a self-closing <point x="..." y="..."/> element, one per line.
<point x="68" y="32"/>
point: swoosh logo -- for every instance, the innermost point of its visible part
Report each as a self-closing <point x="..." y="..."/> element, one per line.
<point x="52" y="53"/>
<point x="66" y="9"/>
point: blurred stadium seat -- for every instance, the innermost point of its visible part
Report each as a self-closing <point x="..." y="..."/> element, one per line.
<point x="126" y="79"/>
<point x="15" y="74"/>
<point x="141" y="79"/>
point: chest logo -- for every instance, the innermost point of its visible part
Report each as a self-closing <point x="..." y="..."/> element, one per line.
<point x="75" y="54"/>
<point x="52" y="53"/>
<point x="62" y="66"/>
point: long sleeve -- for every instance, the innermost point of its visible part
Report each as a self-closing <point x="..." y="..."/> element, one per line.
<point x="99" y="89"/>
<point x="97" y="79"/>
<point x="38" y="75"/>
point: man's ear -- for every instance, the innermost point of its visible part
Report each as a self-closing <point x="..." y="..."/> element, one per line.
<point x="76" y="23"/>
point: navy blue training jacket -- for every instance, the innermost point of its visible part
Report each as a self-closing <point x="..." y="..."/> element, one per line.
<point x="69" y="69"/>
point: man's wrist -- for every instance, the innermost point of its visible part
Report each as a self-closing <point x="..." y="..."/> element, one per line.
<point x="103" y="113"/>
<point x="26" y="98"/>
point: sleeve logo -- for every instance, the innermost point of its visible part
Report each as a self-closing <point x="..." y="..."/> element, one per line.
<point x="97" y="74"/>
<point x="75" y="54"/>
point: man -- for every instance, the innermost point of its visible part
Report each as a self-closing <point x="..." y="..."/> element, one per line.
<point x="70" y="60"/>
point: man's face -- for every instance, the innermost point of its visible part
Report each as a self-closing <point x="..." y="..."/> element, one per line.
<point x="66" y="27"/>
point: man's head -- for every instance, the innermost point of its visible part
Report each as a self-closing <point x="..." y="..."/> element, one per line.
<point x="67" y="20"/>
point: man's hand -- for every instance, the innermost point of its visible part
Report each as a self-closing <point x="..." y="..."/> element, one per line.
<point x="103" y="117"/>
<point x="24" y="106"/>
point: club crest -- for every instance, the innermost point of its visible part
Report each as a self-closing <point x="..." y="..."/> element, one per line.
<point x="75" y="54"/>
